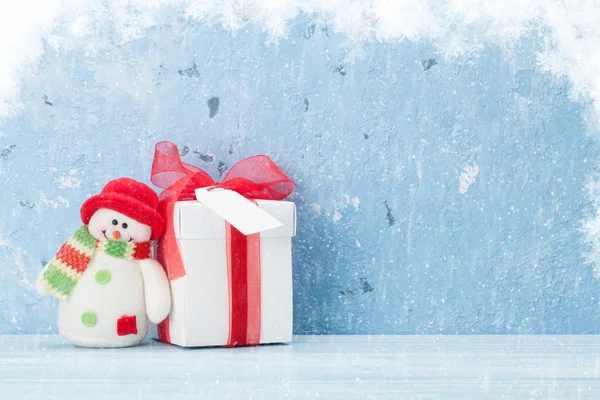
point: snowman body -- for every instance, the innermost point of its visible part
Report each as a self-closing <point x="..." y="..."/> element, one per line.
<point x="107" y="308"/>
<point x="114" y="296"/>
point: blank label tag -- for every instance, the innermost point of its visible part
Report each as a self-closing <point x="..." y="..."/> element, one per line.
<point x="234" y="208"/>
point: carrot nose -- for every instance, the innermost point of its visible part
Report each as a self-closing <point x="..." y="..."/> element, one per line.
<point x="116" y="235"/>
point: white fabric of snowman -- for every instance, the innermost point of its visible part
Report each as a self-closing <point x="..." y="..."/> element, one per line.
<point x="104" y="275"/>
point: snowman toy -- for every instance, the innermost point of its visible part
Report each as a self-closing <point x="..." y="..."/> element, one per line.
<point x="104" y="275"/>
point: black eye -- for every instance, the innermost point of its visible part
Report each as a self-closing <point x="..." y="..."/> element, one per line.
<point x="115" y="222"/>
<point x="124" y="225"/>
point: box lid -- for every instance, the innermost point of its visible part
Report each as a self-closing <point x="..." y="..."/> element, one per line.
<point x="194" y="220"/>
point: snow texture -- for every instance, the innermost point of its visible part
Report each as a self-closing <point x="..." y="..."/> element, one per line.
<point x="568" y="30"/>
<point x="468" y="177"/>
<point x="374" y="107"/>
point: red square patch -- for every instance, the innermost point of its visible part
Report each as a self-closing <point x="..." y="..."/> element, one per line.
<point x="127" y="325"/>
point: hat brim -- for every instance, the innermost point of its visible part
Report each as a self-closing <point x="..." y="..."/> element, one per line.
<point x="125" y="205"/>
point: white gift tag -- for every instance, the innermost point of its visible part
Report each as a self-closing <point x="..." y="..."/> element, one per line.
<point x="234" y="208"/>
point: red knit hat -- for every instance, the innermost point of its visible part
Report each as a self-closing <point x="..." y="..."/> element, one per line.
<point x="129" y="197"/>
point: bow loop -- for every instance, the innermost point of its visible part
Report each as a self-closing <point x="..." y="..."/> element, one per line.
<point x="260" y="178"/>
<point x="178" y="179"/>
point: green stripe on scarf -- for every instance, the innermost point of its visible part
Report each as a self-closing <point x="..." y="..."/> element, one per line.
<point x="84" y="237"/>
<point x="61" y="282"/>
<point x="116" y="249"/>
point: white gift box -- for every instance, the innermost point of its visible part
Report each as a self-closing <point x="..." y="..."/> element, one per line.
<point x="200" y="314"/>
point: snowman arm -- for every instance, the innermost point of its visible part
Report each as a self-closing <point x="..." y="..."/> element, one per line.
<point x="156" y="290"/>
<point x="40" y="288"/>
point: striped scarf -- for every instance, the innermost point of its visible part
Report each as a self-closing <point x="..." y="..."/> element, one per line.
<point x="65" y="269"/>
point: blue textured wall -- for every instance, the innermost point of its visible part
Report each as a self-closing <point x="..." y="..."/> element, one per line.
<point x="387" y="240"/>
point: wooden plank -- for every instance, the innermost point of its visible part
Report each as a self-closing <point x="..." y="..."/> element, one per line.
<point x="329" y="367"/>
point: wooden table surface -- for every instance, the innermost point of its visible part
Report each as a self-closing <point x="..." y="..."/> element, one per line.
<point x="326" y="367"/>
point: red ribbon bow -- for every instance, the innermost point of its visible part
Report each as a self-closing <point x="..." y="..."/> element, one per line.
<point x="255" y="177"/>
